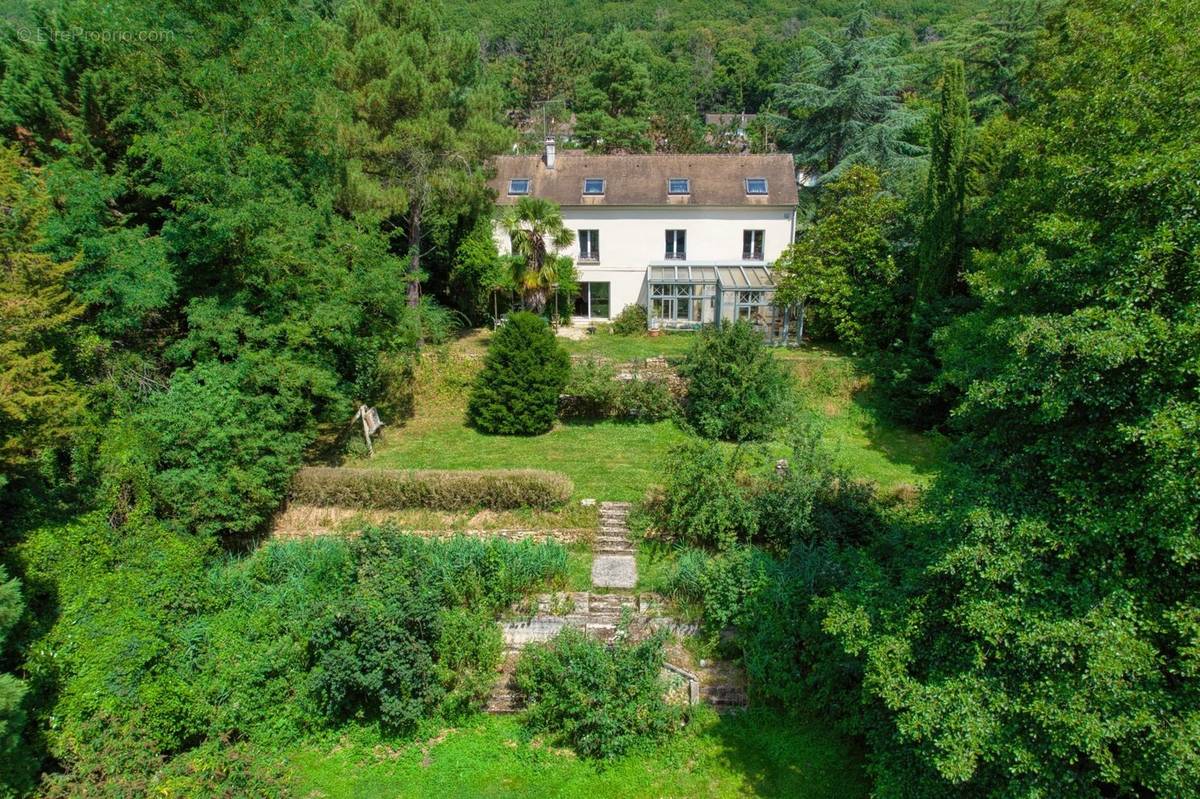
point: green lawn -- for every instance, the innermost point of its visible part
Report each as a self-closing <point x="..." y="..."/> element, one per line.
<point x="628" y="348"/>
<point x="753" y="754"/>
<point x="619" y="461"/>
<point x="607" y="460"/>
<point x="834" y="390"/>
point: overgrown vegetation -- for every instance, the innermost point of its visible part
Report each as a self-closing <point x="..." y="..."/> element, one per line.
<point x="415" y="634"/>
<point x="269" y="648"/>
<point x="594" y="391"/>
<point x="601" y="700"/>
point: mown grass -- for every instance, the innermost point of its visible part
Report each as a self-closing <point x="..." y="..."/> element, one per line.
<point x="753" y="754"/>
<point x="620" y="461"/>
<point x="629" y="348"/>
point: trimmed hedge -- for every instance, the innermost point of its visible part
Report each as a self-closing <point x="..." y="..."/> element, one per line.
<point x="395" y="489"/>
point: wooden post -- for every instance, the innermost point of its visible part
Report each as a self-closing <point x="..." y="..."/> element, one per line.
<point x="362" y="414"/>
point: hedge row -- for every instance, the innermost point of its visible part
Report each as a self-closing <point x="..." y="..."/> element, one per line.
<point x="394" y="489"/>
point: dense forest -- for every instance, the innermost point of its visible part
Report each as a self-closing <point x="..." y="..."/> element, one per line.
<point x="227" y="225"/>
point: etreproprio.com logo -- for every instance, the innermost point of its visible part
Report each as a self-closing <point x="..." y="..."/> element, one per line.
<point x="33" y="33"/>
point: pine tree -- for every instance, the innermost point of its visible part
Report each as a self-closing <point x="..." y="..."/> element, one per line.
<point x="614" y="101"/>
<point x="523" y="375"/>
<point x="423" y="120"/>
<point x="12" y="690"/>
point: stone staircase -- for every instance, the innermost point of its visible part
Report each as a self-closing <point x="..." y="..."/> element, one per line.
<point x="614" y="565"/>
<point x="601" y="614"/>
<point x="505" y="698"/>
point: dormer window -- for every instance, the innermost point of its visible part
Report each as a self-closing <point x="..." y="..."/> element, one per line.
<point x="518" y="186"/>
<point x="679" y="186"/>
<point x="756" y="185"/>
<point x="593" y="186"/>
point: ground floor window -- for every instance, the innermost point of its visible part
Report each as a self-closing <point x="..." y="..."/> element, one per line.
<point x="592" y="300"/>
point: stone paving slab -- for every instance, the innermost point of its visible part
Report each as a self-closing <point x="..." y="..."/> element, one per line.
<point x="614" y="571"/>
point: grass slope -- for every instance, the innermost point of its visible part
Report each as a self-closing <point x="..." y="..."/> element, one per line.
<point x="619" y="461"/>
<point x="757" y="753"/>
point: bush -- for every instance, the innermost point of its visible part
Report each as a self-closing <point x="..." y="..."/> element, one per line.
<point x="388" y="489"/>
<point x="517" y="391"/>
<point x="595" y="392"/>
<point x="590" y="391"/>
<point x="644" y="400"/>
<point x="703" y="504"/>
<point x="468" y="647"/>
<point x="600" y="700"/>
<point x="631" y="321"/>
<point x="224" y="440"/>
<point x="721" y="585"/>
<point x="416" y="633"/>
<point x="736" y="389"/>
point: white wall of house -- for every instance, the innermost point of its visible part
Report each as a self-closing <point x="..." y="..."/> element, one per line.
<point x="633" y="238"/>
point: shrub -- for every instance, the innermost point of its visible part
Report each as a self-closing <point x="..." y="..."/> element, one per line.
<point x="600" y="700"/>
<point x="736" y="389"/>
<point x="469" y="645"/>
<point x="595" y="392"/>
<point x="224" y="441"/>
<point x="630" y="321"/>
<point x="644" y="400"/>
<point x="721" y="585"/>
<point x="590" y="391"/>
<point x="388" y="489"/>
<point x="517" y="391"/>
<point x="395" y="649"/>
<point x="703" y="504"/>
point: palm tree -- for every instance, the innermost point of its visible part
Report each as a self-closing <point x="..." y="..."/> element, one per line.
<point x="535" y="227"/>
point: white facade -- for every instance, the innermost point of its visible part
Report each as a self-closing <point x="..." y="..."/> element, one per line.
<point x="632" y="239"/>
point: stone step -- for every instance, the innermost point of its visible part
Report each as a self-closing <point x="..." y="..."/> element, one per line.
<point x="614" y="571"/>
<point x="723" y="696"/>
<point x="505" y="698"/>
<point x="616" y="505"/>
<point x="504" y="702"/>
<point x="620" y="542"/>
<point x="612" y="603"/>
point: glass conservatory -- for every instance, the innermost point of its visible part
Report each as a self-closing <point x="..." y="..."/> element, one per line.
<point x="686" y="297"/>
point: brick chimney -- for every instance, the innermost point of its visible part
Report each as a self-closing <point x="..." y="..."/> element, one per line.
<point x="549" y="152"/>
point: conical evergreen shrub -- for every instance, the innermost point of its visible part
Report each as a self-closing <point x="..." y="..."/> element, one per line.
<point x="523" y="375"/>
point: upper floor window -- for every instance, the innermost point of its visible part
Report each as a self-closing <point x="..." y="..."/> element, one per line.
<point x="589" y="245"/>
<point x="679" y="186"/>
<point x="518" y="186"/>
<point x="593" y="185"/>
<point x="752" y="245"/>
<point x="756" y="185"/>
<point x="676" y="244"/>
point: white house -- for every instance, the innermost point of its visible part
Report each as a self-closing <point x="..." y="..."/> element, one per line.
<point x="690" y="237"/>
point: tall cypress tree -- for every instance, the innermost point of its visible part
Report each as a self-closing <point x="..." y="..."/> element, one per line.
<point x="941" y="249"/>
